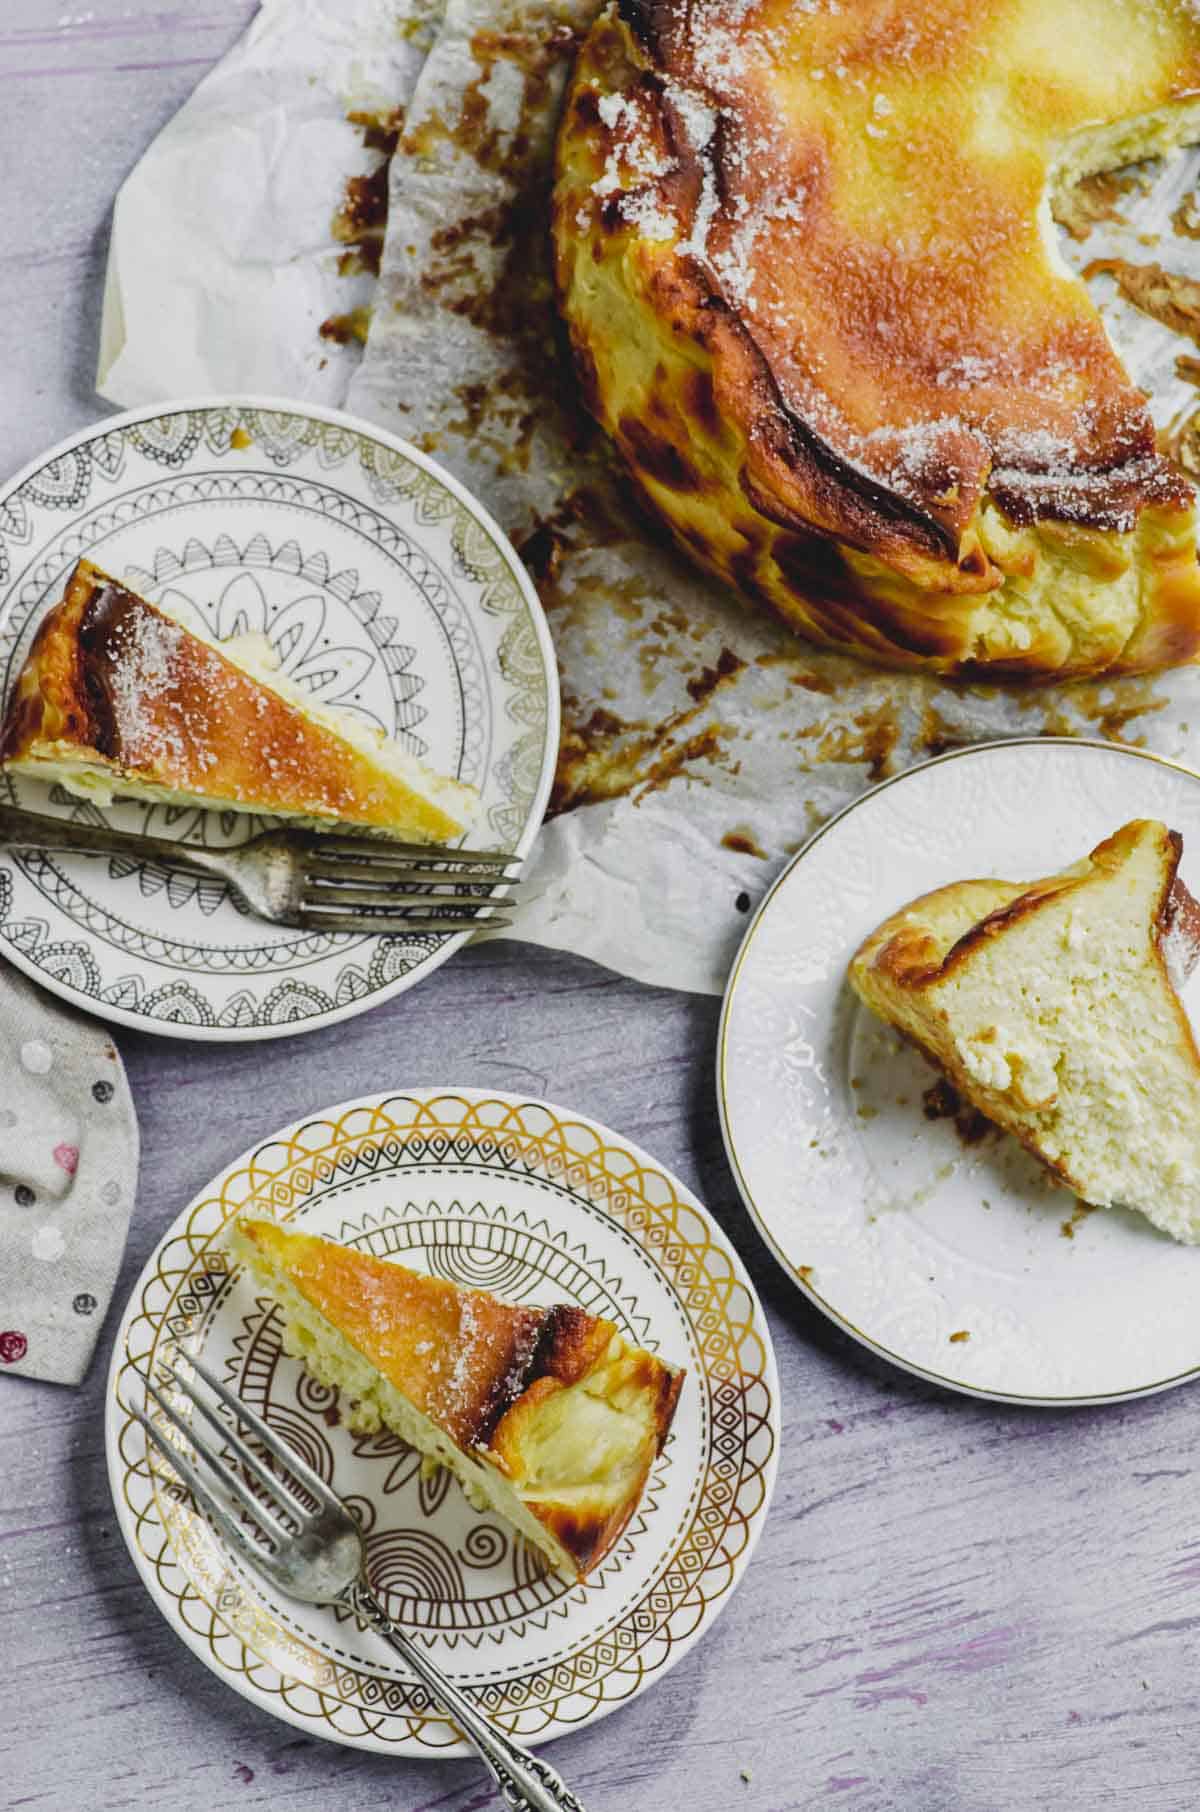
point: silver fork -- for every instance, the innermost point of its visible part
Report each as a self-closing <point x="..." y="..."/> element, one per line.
<point x="306" y="1542"/>
<point x="315" y="880"/>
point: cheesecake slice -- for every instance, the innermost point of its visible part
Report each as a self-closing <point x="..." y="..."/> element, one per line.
<point x="1053" y="1007"/>
<point x="548" y="1417"/>
<point x="118" y="698"/>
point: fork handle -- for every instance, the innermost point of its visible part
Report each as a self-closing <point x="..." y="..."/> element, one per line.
<point x="34" y="830"/>
<point x="526" y="1782"/>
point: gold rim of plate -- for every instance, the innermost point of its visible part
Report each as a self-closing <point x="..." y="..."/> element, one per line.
<point x="210" y="1603"/>
<point x="762" y="1219"/>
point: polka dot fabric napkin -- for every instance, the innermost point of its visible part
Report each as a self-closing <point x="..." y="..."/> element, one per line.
<point x="68" y="1177"/>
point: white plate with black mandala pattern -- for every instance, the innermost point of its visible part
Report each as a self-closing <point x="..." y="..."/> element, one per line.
<point x="383" y="588"/>
<point x="540" y="1206"/>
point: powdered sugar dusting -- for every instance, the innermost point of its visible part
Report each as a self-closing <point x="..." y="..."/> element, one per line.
<point x="468" y="1388"/>
<point x="143" y="678"/>
<point x="913" y="453"/>
<point x="632" y="169"/>
<point x="647" y="213"/>
<point x="455" y="1394"/>
<point x="613" y="109"/>
<point x="1179" y="954"/>
<point x="633" y="157"/>
<point x="698" y="118"/>
<point x="517" y="1376"/>
<point x="734" y="265"/>
<point x="1032" y="448"/>
<point x="171" y="707"/>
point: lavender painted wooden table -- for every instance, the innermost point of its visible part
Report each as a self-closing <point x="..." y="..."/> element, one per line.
<point x="953" y="1607"/>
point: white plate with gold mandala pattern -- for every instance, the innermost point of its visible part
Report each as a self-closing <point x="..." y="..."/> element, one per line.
<point x="933" y="1239"/>
<point x="383" y="588"/>
<point x="540" y="1206"/>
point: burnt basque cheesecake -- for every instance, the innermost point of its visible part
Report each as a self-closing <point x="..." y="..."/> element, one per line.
<point x="805" y="254"/>
<point x="547" y="1416"/>
<point x="118" y="698"/>
<point x="1053" y="1006"/>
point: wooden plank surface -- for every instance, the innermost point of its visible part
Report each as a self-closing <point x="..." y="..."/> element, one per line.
<point x="954" y="1606"/>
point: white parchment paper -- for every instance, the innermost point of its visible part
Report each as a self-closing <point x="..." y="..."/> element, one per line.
<point x="702" y="743"/>
<point x="223" y="264"/>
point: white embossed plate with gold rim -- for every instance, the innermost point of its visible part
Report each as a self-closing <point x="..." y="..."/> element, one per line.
<point x="383" y="588"/>
<point x="941" y="1245"/>
<point x="540" y="1206"/>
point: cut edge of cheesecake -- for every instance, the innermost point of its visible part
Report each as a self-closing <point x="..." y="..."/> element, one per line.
<point x="1054" y="1008"/>
<point x="548" y="1417"/>
<point x="103" y="641"/>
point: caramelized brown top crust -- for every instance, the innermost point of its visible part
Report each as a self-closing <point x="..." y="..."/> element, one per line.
<point x="858" y="190"/>
<point x="1180" y="929"/>
<point x="461" y="1356"/>
<point x="907" y="951"/>
<point x="115" y="681"/>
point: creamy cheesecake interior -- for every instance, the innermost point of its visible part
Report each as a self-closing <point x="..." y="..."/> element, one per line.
<point x="1052" y="1008"/>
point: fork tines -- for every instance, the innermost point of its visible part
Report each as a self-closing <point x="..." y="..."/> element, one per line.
<point x="387" y="849"/>
<point x="273" y="1521"/>
<point x="363" y="883"/>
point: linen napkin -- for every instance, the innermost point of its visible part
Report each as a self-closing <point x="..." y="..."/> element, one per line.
<point x="68" y="1178"/>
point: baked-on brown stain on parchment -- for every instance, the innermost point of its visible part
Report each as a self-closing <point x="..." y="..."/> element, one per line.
<point x="517" y="307"/>
<point x="744" y="843"/>
<point x="342" y="329"/>
<point x="360" y="224"/>
<point x="1108" y="706"/>
<point x="1164" y="295"/>
<point x="801" y="673"/>
<point x="607" y="757"/>
<point x="937" y="735"/>
<point x="1094" y="200"/>
<point x="870" y="736"/>
<point x="585" y="514"/>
